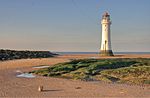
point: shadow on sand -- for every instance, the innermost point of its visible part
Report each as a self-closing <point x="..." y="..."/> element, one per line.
<point x="52" y="90"/>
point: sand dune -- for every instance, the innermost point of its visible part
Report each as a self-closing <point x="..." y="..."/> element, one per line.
<point x="11" y="86"/>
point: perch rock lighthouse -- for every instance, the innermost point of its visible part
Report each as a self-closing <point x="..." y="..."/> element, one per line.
<point x="106" y="36"/>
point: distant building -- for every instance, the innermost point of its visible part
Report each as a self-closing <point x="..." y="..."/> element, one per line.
<point x="106" y="36"/>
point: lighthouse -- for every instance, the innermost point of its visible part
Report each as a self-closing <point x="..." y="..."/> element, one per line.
<point x="106" y="36"/>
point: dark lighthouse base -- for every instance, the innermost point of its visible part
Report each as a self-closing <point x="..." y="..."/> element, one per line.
<point x="106" y="53"/>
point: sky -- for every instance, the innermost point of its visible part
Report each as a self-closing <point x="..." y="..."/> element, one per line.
<point x="74" y="25"/>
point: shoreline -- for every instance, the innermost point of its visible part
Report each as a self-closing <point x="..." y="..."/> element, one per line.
<point x="90" y="55"/>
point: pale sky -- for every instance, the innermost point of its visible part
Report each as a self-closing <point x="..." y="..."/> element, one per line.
<point x="74" y="25"/>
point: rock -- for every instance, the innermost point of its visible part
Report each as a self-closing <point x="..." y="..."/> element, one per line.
<point x="40" y="89"/>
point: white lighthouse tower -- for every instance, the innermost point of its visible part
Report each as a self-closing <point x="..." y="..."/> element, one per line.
<point x="106" y="38"/>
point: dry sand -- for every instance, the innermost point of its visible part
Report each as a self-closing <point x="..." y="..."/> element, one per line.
<point x="11" y="86"/>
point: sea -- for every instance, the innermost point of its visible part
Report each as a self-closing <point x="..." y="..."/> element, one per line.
<point x="98" y="52"/>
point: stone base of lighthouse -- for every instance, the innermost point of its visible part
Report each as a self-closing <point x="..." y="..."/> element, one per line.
<point x="106" y="53"/>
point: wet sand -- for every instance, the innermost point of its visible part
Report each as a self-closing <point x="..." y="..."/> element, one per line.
<point x="11" y="86"/>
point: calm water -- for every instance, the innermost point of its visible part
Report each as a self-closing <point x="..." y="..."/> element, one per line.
<point x="42" y="66"/>
<point x="25" y="75"/>
<point x="98" y="52"/>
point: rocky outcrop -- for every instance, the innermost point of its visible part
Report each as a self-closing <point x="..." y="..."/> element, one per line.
<point x="13" y="54"/>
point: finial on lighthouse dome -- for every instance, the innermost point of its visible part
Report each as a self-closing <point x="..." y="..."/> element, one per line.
<point x="106" y="13"/>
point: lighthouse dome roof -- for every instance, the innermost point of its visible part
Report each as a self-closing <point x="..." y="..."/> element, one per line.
<point x="106" y="14"/>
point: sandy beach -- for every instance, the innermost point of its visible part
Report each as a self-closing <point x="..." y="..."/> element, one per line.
<point x="12" y="86"/>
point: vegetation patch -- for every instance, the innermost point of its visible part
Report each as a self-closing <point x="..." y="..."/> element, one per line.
<point x="135" y="71"/>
